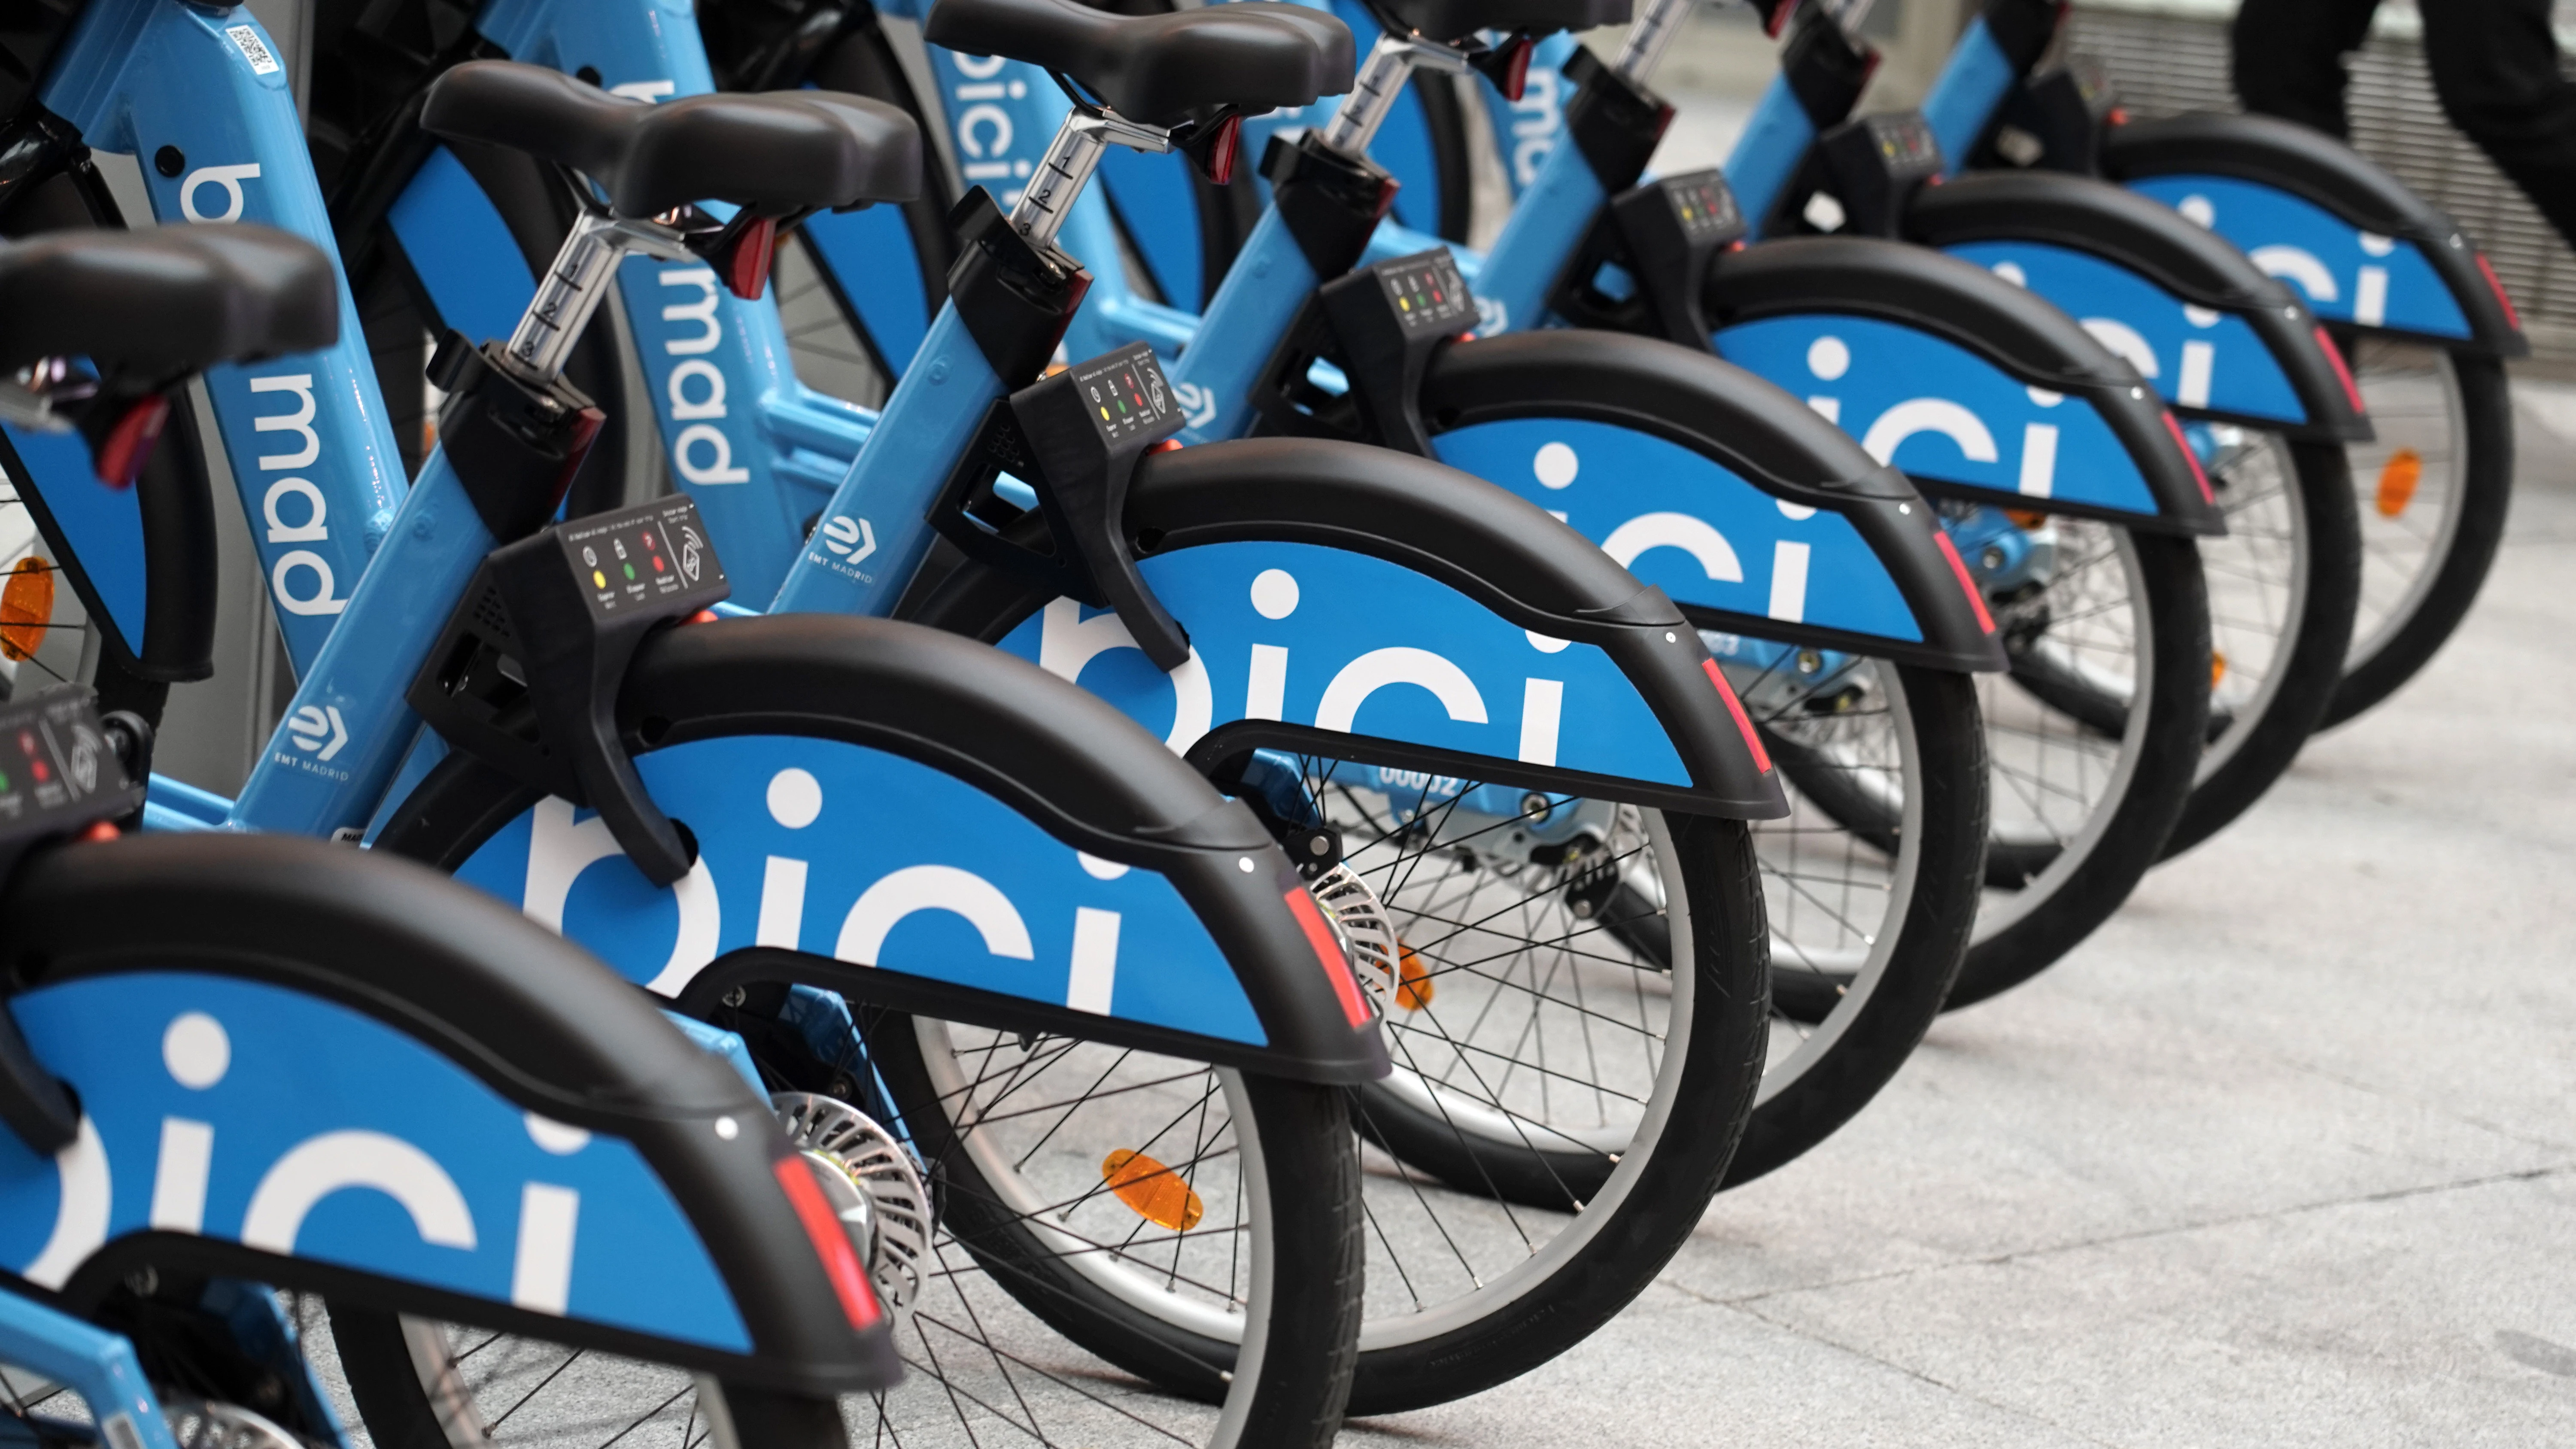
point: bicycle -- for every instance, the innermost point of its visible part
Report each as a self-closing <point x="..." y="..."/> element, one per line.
<point x="1692" y="750"/>
<point x="264" y="1096"/>
<point x="1244" y="981"/>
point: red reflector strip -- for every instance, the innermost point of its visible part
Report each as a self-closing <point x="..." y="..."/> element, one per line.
<point x="2207" y="495"/>
<point x="2334" y="355"/>
<point x="1743" y="721"/>
<point x="831" y="1242"/>
<point x="128" y="445"/>
<point x="1959" y="567"/>
<point x="1222" y="154"/>
<point x="747" y="269"/>
<point x="1328" y="950"/>
<point x="2512" y="317"/>
<point x="1516" y="72"/>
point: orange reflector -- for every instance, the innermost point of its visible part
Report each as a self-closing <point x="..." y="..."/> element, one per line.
<point x="1959" y="567"/>
<point x="1154" y="1192"/>
<point x="1413" y="986"/>
<point x="2397" y="479"/>
<point x="2217" y="667"/>
<point x="2025" y="518"/>
<point x="1328" y="950"/>
<point x="1743" y="721"/>
<point x="831" y="1242"/>
<point x="26" y="607"/>
<point x="2207" y="495"/>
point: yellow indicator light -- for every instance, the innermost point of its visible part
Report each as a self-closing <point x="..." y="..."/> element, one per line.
<point x="2217" y="668"/>
<point x="2397" y="480"/>
<point x="26" y="607"/>
<point x="598" y="580"/>
<point x="1104" y="415"/>
<point x="1153" y="1191"/>
<point x="1413" y="986"/>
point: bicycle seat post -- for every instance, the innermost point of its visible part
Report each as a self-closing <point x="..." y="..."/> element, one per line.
<point x="1380" y="80"/>
<point x="572" y="288"/>
<point x="1067" y="166"/>
<point x="1649" y="37"/>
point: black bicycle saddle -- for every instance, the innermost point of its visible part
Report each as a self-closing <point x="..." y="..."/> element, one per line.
<point x="775" y="152"/>
<point x="1458" y="19"/>
<point x="1158" y="69"/>
<point x="165" y="300"/>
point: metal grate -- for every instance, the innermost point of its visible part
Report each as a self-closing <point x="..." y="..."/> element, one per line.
<point x="2167" y="63"/>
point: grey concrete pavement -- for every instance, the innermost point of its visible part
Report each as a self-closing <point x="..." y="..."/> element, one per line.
<point x="2285" y="1155"/>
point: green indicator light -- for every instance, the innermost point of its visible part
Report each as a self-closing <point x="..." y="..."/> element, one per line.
<point x="630" y="573"/>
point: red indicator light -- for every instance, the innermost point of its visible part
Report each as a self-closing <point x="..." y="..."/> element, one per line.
<point x="41" y="771"/>
<point x="1328" y="950"/>
<point x="1959" y="568"/>
<point x="1743" y="721"/>
<point x="657" y="563"/>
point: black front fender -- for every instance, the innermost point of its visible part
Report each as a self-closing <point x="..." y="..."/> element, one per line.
<point x="1750" y="427"/>
<point x="2022" y="335"/>
<point x="1498" y="550"/>
<point x="2320" y="169"/>
<point x="535" y="1019"/>
<point x="2118" y="226"/>
<point x="1058" y="756"/>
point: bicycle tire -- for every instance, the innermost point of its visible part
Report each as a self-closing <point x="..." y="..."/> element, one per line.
<point x="1790" y="1118"/>
<point x="2087" y="874"/>
<point x="1305" y="1331"/>
<point x="2384" y="659"/>
<point x="1314" y="1186"/>
<point x="1646" y="1202"/>
<point x="406" y="1394"/>
<point x="2327" y="583"/>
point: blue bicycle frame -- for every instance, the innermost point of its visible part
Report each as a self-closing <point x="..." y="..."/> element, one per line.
<point x="135" y="71"/>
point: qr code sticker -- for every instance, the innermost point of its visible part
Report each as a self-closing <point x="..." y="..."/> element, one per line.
<point x="253" y="49"/>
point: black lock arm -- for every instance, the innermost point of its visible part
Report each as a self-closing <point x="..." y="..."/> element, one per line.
<point x="527" y="673"/>
<point x="61" y="776"/>
<point x="1663" y="235"/>
<point x="1381" y="326"/>
<point x="1075" y="439"/>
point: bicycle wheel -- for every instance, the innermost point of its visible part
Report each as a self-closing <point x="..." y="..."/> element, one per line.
<point x="1870" y="919"/>
<point x="1035" y="1236"/>
<point x="2432" y="492"/>
<point x="1047" y="1281"/>
<point x="2281" y="586"/>
<point x="2093" y="740"/>
<point x="1558" y="1117"/>
<point x="420" y="1384"/>
<point x="1867" y="924"/>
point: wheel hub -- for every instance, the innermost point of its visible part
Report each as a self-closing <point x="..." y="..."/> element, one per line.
<point x="869" y="1180"/>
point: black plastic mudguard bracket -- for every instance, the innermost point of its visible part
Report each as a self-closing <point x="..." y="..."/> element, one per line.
<point x="1662" y="236"/>
<point x="1075" y="439"/>
<point x="526" y="674"/>
<point x="1015" y="301"/>
<point x="2060" y="115"/>
<point x="1615" y="122"/>
<point x="2023" y="29"/>
<point x="1826" y="68"/>
<point x="514" y="444"/>
<point x="1330" y="203"/>
<point x="1380" y="326"/>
